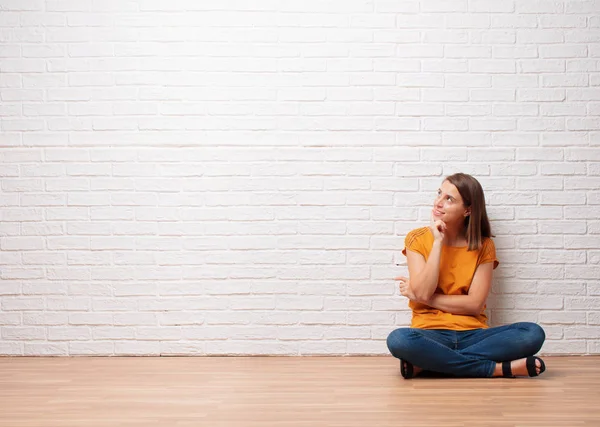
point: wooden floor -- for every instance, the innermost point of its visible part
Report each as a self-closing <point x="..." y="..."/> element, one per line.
<point x="286" y="391"/>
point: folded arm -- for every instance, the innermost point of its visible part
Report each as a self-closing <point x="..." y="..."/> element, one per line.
<point x="474" y="301"/>
<point x="424" y="275"/>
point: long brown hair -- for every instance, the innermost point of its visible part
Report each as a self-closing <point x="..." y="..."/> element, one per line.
<point x="477" y="225"/>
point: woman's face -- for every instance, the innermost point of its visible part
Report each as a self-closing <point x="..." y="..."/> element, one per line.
<point x="448" y="205"/>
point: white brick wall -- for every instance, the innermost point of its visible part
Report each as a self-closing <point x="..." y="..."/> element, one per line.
<point x="230" y="177"/>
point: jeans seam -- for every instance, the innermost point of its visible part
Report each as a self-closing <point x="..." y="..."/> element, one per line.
<point x="457" y="351"/>
<point x="429" y="339"/>
<point x="489" y="336"/>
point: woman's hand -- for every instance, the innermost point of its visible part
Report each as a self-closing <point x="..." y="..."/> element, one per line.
<point x="405" y="289"/>
<point x="438" y="228"/>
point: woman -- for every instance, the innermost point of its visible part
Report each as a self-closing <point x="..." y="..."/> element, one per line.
<point x="450" y="265"/>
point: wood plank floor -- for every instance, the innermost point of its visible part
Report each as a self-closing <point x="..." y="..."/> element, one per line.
<point x="286" y="391"/>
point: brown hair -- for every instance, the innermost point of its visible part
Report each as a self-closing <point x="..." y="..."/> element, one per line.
<point x="476" y="225"/>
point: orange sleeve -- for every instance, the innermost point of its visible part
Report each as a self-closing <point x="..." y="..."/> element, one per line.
<point x="488" y="253"/>
<point x="414" y="242"/>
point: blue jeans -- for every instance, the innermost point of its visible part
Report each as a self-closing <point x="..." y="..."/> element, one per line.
<point x="472" y="353"/>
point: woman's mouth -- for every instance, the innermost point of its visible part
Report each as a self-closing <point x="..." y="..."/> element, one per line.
<point x="438" y="212"/>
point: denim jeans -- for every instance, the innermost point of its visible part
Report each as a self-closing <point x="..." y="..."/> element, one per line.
<point x="472" y="353"/>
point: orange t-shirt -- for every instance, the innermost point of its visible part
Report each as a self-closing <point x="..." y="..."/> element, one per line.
<point x="457" y="269"/>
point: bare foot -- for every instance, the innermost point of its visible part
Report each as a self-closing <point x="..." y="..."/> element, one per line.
<point x="518" y="367"/>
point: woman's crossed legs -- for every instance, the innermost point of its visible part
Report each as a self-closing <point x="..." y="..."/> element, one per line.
<point x="473" y="353"/>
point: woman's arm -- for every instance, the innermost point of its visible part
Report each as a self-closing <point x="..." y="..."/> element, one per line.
<point x="473" y="302"/>
<point x="423" y="274"/>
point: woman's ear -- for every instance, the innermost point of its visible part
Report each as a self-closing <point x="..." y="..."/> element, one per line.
<point x="468" y="212"/>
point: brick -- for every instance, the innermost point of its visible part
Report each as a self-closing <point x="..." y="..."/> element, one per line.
<point x="256" y="202"/>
